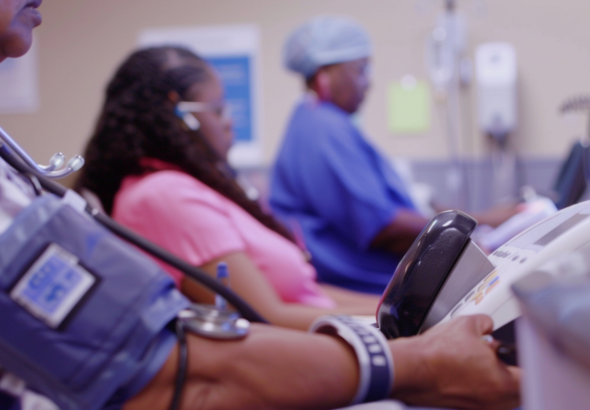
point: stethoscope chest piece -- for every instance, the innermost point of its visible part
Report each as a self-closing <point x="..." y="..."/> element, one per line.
<point x="211" y="322"/>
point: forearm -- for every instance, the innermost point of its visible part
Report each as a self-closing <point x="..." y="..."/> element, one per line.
<point x="271" y="369"/>
<point x="292" y="315"/>
<point x="398" y="236"/>
<point x="251" y="284"/>
<point x="298" y="316"/>
<point x="493" y="216"/>
<point x="365" y="303"/>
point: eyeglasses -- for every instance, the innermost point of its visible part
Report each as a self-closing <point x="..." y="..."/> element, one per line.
<point x="220" y="109"/>
<point x="184" y="109"/>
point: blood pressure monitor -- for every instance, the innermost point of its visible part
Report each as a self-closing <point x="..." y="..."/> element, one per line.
<point x="445" y="274"/>
<point x="564" y="232"/>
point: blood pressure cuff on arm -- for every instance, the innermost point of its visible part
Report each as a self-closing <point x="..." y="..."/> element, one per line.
<point x="85" y="316"/>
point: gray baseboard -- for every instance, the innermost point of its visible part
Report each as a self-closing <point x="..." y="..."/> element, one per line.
<point x="482" y="182"/>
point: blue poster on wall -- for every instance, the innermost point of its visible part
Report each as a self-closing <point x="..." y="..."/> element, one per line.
<point x="235" y="73"/>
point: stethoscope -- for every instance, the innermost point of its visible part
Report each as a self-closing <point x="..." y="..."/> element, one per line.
<point x="57" y="167"/>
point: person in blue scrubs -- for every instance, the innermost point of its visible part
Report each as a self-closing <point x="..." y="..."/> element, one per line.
<point x="329" y="182"/>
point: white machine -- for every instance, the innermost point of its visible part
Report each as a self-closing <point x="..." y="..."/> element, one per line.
<point x="445" y="274"/>
<point x="564" y="232"/>
<point x="553" y="333"/>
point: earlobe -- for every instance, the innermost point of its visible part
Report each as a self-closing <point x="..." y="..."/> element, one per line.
<point x="173" y="96"/>
<point x="323" y="86"/>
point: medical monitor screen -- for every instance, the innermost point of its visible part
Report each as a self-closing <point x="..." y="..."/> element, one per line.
<point x="560" y="229"/>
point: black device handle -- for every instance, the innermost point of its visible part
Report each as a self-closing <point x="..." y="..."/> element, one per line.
<point x="422" y="272"/>
<point x="191" y="271"/>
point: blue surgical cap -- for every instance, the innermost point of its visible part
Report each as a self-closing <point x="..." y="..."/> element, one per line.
<point x="325" y="40"/>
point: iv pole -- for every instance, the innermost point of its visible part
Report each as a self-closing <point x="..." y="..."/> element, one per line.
<point x="449" y="70"/>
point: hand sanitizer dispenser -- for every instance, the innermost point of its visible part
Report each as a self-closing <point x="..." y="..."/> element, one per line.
<point x="495" y="67"/>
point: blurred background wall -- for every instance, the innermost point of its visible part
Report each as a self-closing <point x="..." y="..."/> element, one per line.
<point x="82" y="42"/>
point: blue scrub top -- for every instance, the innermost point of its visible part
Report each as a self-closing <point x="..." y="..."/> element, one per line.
<point x="341" y="191"/>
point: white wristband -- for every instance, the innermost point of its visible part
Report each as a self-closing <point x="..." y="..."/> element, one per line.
<point x="372" y="352"/>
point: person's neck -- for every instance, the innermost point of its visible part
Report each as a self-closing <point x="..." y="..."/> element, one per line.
<point x="154" y="164"/>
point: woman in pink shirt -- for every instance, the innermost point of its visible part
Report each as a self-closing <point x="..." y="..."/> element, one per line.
<point x="158" y="163"/>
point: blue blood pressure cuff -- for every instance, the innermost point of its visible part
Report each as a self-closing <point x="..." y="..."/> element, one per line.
<point x="85" y="316"/>
<point x="372" y="352"/>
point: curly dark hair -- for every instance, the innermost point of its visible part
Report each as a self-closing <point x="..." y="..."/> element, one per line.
<point x="138" y="120"/>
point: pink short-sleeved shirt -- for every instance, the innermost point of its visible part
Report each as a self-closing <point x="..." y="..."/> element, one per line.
<point x="196" y="223"/>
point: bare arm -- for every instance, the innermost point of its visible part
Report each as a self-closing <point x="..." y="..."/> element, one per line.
<point x="272" y="368"/>
<point x="493" y="216"/>
<point x="275" y="368"/>
<point x="398" y="236"/>
<point x="360" y="302"/>
<point x="249" y="282"/>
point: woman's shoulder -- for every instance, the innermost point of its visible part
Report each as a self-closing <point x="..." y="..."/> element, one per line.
<point x="321" y="112"/>
<point x="320" y="124"/>
<point x="168" y="186"/>
<point x="169" y="179"/>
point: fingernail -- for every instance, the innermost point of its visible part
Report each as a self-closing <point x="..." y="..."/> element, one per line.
<point x="487" y="338"/>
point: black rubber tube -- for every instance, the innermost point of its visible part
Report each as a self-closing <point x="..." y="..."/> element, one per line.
<point x="125" y="233"/>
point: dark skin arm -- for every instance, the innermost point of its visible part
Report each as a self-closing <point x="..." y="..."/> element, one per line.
<point x="273" y="368"/>
<point x="251" y="284"/>
<point x="398" y="236"/>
